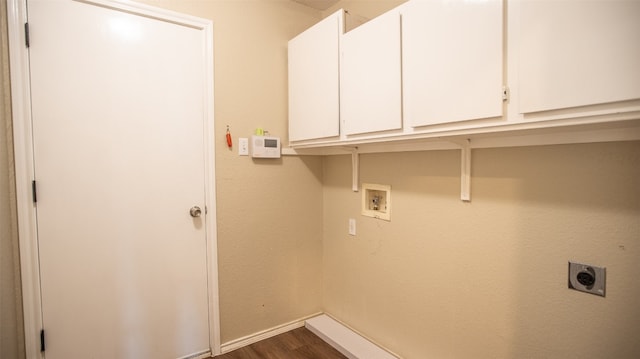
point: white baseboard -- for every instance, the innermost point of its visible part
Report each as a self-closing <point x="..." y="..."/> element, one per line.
<point x="202" y="355"/>
<point x="265" y="334"/>
<point x="346" y="341"/>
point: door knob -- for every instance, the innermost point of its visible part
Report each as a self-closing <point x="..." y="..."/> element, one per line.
<point x="195" y="211"/>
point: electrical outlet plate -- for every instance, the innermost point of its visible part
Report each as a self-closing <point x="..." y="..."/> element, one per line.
<point x="376" y="201"/>
<point x="587" y="278"/>
<point x="352" y="226"/>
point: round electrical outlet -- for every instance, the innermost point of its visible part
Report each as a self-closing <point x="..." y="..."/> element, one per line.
<point x="587" y="278"/>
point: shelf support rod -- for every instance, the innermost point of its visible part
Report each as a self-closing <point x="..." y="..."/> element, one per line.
<point x="355" y="169"/>
<point x="465" y="171"/>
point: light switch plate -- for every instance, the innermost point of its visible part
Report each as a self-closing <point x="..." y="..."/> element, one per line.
<point x="243" y="146"/>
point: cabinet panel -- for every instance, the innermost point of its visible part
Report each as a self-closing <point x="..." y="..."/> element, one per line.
<point x="576" y="53"/>
<point x="452" y="55"/>
<point x="314" y="100"/>
<point x="452" y="61"/>
<point x="370" y="80"/>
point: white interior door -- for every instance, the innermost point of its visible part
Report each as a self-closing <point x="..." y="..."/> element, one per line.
<point x="118" y="105"/>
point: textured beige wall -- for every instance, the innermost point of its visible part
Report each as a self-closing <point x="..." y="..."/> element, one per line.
<point x="269" y="211"/>
<point x="11" y="330"/>
<point x="368" y="9"/>
<point x="447" y="279"/>
<point x="488" y="279"/>
<point x="361" y="11"/>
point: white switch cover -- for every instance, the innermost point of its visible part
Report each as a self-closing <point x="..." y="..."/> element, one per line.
<point x="352" y="226"/>
<point x="243" y="146"/>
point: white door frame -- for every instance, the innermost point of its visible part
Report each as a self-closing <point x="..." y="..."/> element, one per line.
<point x="24" y="164"/>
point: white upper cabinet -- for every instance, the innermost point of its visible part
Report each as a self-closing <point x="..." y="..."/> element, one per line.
<point x="370" y="76"/>
<point x="437" y="69"/>
<point x="452" y="58"/>
<point x="575" y="53"/>
<point x="314" y="99"/>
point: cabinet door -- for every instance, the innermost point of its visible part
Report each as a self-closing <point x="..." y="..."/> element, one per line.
<point x="452" y="60"/>
<point x="370" y="82"/>
<point x="576" y="53"/>
<point x="314" y="100"/>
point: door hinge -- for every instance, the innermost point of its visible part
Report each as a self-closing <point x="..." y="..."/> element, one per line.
<point x="34" y="191"/>
<point x="42" y="347"/>
<point x="26" y="34"/>
<point x="505" y="93"/>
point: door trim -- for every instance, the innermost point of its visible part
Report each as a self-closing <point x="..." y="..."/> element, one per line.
<point x="25" y="172"/>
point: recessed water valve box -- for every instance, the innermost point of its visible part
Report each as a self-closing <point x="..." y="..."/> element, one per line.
<point x="587" y="278"/>
<point x="376" y="201"/>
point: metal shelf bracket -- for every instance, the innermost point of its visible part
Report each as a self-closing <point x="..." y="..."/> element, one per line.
<point x="465" y="171"/>
<point x="355" y="169"/>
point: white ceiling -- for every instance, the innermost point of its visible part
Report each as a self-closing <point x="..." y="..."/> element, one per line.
<point x="318" y="4"/>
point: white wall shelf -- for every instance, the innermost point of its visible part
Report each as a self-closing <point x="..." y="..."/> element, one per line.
<point x="534" y="134"/>
<point x="518" y="136"/>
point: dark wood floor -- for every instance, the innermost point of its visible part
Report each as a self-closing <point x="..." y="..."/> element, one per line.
<point x="296" y="344"/>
